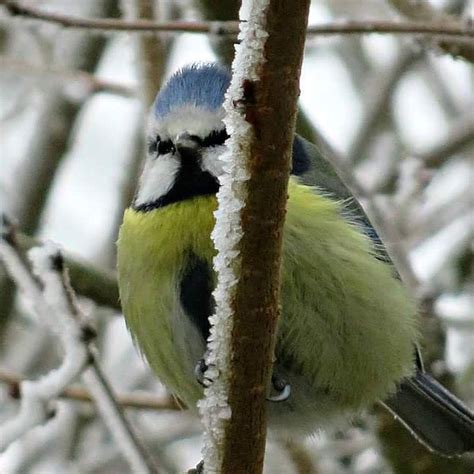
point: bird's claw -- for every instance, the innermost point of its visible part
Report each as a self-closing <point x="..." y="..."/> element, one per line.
<point x="199" y="372"/>
<point x="199" y="469"/>
<point x="281" y="389"/>
<point x="279" y="392"/>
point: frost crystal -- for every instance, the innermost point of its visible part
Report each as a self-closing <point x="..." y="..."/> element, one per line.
<point x="227" y="233"/>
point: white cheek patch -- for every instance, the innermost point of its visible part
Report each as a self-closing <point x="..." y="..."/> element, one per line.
<point x="157" y="178"/>
<point x="211" y="161"/>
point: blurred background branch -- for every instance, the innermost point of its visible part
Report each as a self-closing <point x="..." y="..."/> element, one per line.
<point x="423" y="10"/>
<point x="139" y="401"/>
<point x="49" y="144"/>
<point x="445" y="28"/>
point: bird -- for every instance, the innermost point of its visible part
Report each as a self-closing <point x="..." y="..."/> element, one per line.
<point x="348" y="330"/>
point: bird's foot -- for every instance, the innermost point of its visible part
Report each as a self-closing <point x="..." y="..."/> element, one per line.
<point x="280" y="390"/>
<point x="200" y="373"/>
<point x="199" y="469"/>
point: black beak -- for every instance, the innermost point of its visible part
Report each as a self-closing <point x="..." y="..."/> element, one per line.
<point x="187" y="144"/>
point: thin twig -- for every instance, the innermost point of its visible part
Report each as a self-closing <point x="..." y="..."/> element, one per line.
<point x="422" y="10"/>
<point x="139" y="401"/>
<point x="100" y="389"/>
<point x="435" y="79"/>
<point x="459" y="136"/>
<point x="379" y="94"/>
<point x="428" y="223"/>
<point x="91" y="83"/>
<point x="88" y="280"/>
<point x="221" y="28"/>
<point x="34" y="408"/>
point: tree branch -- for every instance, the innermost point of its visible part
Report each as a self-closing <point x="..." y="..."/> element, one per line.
<point x="379" y="94"/>
<point x="459" y="136"/>
<point x="139" y="401"/>
<point x="221" y="10"/>
<point x="421" y="10"/>
<point x="88" y="280"/>
<point x="222" y="28"/>
<point x="248" y="233"/>
<point x="89" y="82"/>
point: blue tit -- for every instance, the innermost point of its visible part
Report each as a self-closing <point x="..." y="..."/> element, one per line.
<point x="348" y="329"/>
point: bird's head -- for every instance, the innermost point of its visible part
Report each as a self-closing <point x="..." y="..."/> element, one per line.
<point x="185" y="137"/>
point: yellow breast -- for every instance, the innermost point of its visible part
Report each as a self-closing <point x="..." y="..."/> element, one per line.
<point x="152" y="251"/>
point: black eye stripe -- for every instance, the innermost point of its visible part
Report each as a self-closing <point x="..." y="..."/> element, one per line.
<point x="217" y="137"/>
<point x="160" y="147"/>
<point x="165" y="147"/>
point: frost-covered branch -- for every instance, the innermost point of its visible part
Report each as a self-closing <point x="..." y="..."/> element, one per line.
<point x="51" y="297"/>
<point x="37" y="395"/>
<point x="87" y="279"/>
<point x="220" y="28"/>
<point x="248" y="233"/>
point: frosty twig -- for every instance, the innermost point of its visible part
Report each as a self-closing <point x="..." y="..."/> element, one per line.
<point x="50" y="296"/>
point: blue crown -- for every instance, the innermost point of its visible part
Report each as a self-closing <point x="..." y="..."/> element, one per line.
<point x="201" y="85"/>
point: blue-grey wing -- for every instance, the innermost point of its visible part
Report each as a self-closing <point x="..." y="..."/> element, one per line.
<point x="314" y="169"/>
